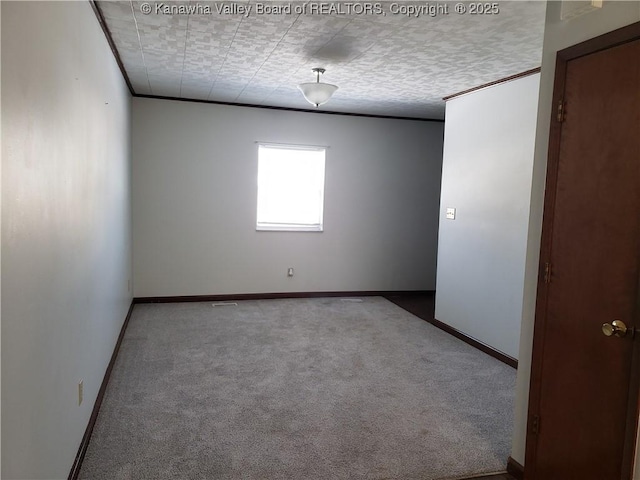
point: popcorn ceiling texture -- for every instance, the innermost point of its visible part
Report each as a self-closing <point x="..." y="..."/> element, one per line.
<point x="384" y="64"/>
<point x="304" y="389"/>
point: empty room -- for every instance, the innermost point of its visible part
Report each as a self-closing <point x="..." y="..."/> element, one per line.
<point x="320" y="240"/>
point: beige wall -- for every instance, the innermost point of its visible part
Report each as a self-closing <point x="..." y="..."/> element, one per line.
<point x="558" y="35"/>
<point x="66" y="239"/>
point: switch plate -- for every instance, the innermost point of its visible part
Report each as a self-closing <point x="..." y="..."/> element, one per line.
<point x="451" y="213"/>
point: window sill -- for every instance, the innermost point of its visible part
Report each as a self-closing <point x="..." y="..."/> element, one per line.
<point x="289" y="228"/>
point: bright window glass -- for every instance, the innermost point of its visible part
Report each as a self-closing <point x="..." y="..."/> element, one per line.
<point x="290" y="188"/>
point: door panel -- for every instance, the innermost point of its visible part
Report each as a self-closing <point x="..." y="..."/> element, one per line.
<point x="595" y="260"/>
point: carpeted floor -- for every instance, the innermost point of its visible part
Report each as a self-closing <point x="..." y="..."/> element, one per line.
<point x="298" y="389"/>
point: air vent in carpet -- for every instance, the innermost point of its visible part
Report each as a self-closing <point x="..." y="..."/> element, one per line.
<point x="224" y="304"/>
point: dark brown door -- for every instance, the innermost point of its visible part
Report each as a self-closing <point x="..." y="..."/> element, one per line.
<point x="582" y="387"/>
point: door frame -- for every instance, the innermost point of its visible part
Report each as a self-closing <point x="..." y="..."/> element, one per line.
<point x="617" y="37"/>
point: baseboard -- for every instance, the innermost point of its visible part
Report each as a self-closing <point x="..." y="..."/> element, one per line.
<point x="515" y="469"/>
<point x="488" y="349"/>
<point x="273" y="296"/>
<point x="501" y="475"/>
<point x="84" y="444"/>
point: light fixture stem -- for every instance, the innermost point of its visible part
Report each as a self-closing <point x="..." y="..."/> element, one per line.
<point x="318" y="71"/>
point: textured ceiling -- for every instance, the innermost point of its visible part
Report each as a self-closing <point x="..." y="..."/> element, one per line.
<point x="384" y="63"/>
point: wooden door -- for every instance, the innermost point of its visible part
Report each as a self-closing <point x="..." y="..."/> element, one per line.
<point x="584" y="394"/>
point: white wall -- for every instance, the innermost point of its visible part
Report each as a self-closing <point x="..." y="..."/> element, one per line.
<point x="194" y="202"/>
<point x="65" y="228"/>
<point x="486" y="177"/>
<point x="558" y="35"/>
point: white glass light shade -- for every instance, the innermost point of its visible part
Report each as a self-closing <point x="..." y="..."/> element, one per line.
<point x="317" y="93"/>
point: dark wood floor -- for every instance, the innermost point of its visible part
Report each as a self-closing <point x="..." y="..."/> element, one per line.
<point x="422" y="305"/>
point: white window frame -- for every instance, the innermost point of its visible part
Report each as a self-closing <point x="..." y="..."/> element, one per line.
<point x="292" y="227"/>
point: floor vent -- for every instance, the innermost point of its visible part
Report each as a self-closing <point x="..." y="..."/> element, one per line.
<point x="352" y="300"/>
<point x="224" y="304"/>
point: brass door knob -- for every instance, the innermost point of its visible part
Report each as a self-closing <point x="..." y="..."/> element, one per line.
<point x="617" y="328"/>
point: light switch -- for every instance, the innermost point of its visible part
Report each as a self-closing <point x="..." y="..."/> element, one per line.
<point x="451" y="213"/>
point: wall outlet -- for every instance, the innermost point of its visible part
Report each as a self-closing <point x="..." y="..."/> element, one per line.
<point x="80" y="392"/>
<point x="451" y="213"/>
<point x="290" y="272"/>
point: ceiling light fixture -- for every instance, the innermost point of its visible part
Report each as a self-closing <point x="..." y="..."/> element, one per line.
<point x="317" y="93"/>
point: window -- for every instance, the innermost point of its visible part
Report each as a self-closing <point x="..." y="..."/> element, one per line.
<point x="290" y="188"/>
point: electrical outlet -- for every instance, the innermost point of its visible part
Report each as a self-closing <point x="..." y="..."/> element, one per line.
<point x="451" y="213"/>
<point x="80" y="392"/>
<point x="290" y="272"/>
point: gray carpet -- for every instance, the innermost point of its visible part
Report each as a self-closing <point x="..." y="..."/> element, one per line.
<point x="298" y="389"/>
